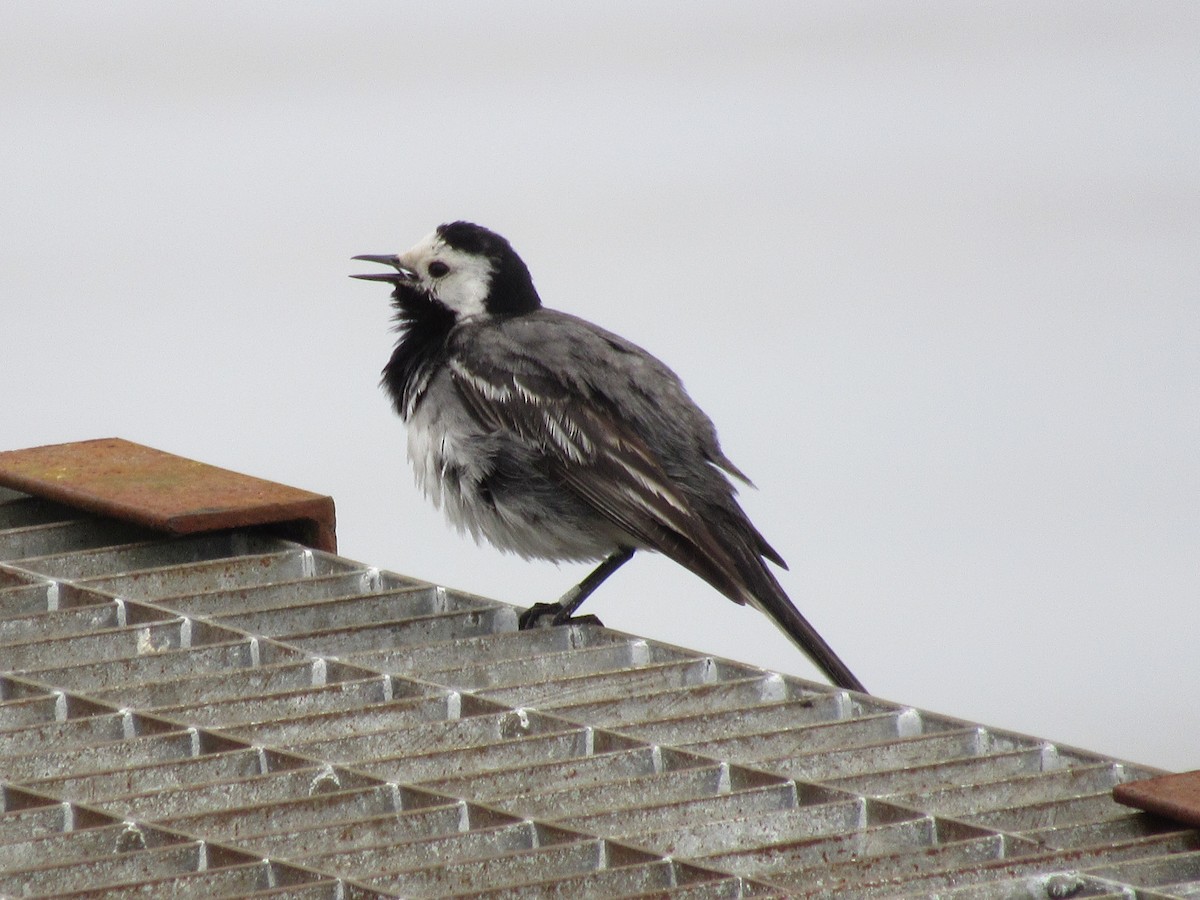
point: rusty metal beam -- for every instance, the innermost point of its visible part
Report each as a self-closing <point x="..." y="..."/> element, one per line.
<point x="133" y="483"/>
<point x="1174" y="796"/>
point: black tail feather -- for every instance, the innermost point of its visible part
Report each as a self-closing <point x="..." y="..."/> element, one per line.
<point x="772" y="600"/>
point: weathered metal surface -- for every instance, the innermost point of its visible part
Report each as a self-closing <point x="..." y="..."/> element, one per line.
<point x="238" y="714"/>
<point x="132" y="483"/>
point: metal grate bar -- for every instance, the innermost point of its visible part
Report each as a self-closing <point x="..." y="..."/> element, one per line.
<point x="415" y="827"/>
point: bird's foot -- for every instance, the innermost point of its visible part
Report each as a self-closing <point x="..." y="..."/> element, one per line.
<point x="546" y="615"/>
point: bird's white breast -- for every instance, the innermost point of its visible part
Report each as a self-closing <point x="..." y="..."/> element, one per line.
<point x="437" y="440"/>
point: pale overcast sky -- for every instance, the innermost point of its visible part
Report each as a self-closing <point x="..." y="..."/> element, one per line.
<point x="932" y="269"/>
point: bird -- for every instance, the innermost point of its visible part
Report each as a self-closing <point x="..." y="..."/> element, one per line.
<point x="553" y="438"/>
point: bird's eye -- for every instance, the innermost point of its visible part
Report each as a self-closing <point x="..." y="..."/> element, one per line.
<point x="437" y="269"/>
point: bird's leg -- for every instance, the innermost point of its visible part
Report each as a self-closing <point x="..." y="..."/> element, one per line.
<point x="541" y="615"/>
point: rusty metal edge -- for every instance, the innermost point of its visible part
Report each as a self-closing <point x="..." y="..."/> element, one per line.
<point x="1175" y="796"/>
<point x="304" y="516"/>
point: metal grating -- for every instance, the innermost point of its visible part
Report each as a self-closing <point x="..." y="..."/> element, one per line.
<point x="237" y="715"/>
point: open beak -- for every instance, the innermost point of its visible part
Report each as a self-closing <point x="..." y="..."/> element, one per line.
<point x="400" y="276"/>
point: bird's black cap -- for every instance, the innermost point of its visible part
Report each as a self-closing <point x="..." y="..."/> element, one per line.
<point x="512" y="291"/>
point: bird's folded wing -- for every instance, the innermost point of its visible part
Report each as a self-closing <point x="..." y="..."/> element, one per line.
<point x="598" y="456"/>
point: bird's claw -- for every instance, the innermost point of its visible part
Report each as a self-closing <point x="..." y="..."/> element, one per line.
<point x="547" y="615"/>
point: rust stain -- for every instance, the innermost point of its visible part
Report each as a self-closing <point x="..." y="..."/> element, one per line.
<point x="134" y="483"/>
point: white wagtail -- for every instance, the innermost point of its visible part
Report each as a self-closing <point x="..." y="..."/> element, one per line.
<point x="556" y="439"/>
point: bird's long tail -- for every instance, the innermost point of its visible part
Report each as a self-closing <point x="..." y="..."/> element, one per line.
<point x="735" y="565"/>
<point x="741" y="574"/>
<point x="769" y="596"/>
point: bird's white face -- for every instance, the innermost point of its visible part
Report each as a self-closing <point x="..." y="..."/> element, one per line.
<point x="458" y="280"/>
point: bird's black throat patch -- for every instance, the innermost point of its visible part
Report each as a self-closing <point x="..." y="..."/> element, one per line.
<point x="424" y="326"/>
